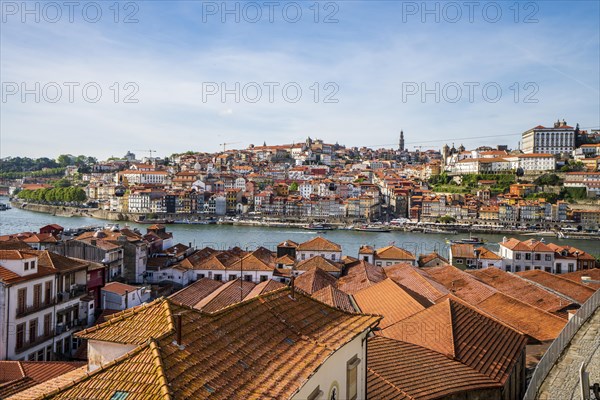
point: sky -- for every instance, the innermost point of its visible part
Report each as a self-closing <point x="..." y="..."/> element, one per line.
<point x="101" y="78"/>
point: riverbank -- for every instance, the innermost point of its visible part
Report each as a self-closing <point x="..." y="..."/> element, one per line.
<point x="269" y="222"/>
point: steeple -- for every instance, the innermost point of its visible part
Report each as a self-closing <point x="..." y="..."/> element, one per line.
<point x="401" y="142"/>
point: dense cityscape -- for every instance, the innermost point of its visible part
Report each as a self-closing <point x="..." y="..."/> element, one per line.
<point x="299" y="200"/>
<point x="103" y="298"/>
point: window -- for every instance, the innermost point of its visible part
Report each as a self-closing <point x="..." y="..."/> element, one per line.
<point x="528" y="256"/>
<point x="48" y="294"/>
<point x="59" y="346"/>
<point x="40" y="355"/>
<point x="517" y="256"/>
<point x="537" y="257"/>
<point x="32" y="265"/>
<point x="20" y="335"/>
<point x="548" y="257"/>
<point x="302" y="256"/>
<point x="459" y="260"/>
<point x="47" y="324"/>
<point x="559" y="268"/>
<point x="517" y="268"/>
<point x="199" y="276"/>
<point x="33" y="328"/>
<point x="352" y="378"/>
<point x="378" y="263"/>
<point x="49" y="353"/>
<point x="508" y="268"/>
<point x="315" y="394"/>
<point x="21" y="300"/>
<point x="333" y="257"/>
<point x="26" y="265"/>
<point x="571" y="267"/>
<point x="37" y="295"/>
<point x="248" y="278"/>
<point x="232" y="277"/>
<point x="548" y="269"/>
<point x="218" y="277"/>
<point x="264" y="278"/>
<point x="31" y="357"/>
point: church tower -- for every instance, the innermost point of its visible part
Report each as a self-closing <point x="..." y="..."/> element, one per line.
<point x="401" y="142"/>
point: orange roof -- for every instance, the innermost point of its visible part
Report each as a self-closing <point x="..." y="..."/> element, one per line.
<point x="523" y="290"/>
<point x="192" y="294"/>
<point x="360" y="275"/>
<point x="266" y="347"/>
<point x="335" y="298"/>
<point x="593" y="273"/>
<point x="403" y="378"/>
<point x="319" y="243"/>
<point x="462" y="333"/>
<point x="119" y="288"/>
<point x="314" y="280"/>
<point x="229" y="293"/>
<point x="393" y="253"/>
<point x="264" y="287"/>
<point x="319" y="262"/>
<point x="417" y="281"/>
<point x="388" y="299"/>
<point x="576" y="291"/>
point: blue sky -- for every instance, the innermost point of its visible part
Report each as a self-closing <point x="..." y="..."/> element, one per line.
<point x="373" y="55"/>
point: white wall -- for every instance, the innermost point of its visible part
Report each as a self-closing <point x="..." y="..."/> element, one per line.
<point x="332" y="373"/>
<point x="100" y="353"/>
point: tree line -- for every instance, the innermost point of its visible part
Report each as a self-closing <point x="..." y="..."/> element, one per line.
<point x="70" y="194"/>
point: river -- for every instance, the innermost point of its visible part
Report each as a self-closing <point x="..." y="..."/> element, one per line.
<point x="225" y="236"/>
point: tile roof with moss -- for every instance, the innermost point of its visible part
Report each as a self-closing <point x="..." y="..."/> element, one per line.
<point x="265" y="347"/>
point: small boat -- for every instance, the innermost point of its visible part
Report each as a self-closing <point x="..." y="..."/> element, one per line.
<point x="470" y="240"/>
<point x="372" y="228"/>
<point x="318" y="227"/>
<point x="4" y="207"/>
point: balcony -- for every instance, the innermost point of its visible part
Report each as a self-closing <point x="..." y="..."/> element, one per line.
<point x="77" y="324"/>
<point x="22" y="312"/>
<point x="74" y="292"/>
<point x="40" y="339"/>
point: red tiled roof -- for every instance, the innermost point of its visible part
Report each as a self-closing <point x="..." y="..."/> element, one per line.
<point x="388" y="299"/>
<point x="360" y="275"/>
<point x="192" y="294"/>
<point x="569" y="288"/>
<point x="314" y="280"/>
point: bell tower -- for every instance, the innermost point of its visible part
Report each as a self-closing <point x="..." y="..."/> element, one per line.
<point x="401" y="141"/>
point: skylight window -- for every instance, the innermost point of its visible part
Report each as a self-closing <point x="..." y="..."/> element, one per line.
<point x="119" y="395"/>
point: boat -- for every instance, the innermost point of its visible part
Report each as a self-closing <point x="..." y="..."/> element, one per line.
<point x="372" y="228"/>
<point x="4" y="207"/>
<point x="469" y="240"/>
<point x="318" y="227"/>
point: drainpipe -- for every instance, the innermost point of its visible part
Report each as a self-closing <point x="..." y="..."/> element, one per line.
<point x="7" y="318"/>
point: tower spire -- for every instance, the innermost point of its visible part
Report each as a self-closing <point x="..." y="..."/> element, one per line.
<point x="401" y="142"/>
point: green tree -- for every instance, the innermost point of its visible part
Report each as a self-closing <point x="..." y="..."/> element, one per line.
<point x="293" y="187"/>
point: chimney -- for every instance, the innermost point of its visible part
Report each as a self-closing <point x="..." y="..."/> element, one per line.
<point x="293" y="287"/>
<point x="178" y="330"/>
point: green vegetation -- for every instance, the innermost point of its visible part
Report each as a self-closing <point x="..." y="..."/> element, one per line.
<point x="573" y="193"/>
<point x="549" y="197"/>
<point x="293" y="187"/>
<point x="573" y="166"/>
<point x="446" y="219"/>
<point x="47" y="173"/>
<point x="55" y="195"/>
<point x="548" y="180"/>
<point x="443" y="183"/>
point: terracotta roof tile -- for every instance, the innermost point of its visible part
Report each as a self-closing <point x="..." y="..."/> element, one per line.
<point x="314" y="280"/>
<point x="388" y="299"/>
<point x="403" y="377"/>
<point x="569" y="288"/>
<point x="229" y="293"/>
<point x="416" y="280"/>
<point x="360" y="275"/>
<point x="192" y="294"/>
<point x="464" y="334"/>
<point x="264" y="287"/>
<point x="319" y="262"/>
<point x="393" y="253"/>
<point x="523" y="290"/>
<point x="266" y="347"/>
<point x="319" y="243"/>
<point x="594" y="274"/>
<point x="334" y="297"/>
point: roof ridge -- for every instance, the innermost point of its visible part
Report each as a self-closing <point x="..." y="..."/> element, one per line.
<point x="452" y="327"/>
<point x="162" y="378"/>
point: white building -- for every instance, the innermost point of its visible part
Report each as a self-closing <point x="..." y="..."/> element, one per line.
<point x="43" y="301"/>
<point x="119" y="296"/>
<point x="319" y="246"/>
<point x="528" y="255"/>
<point x="557" y="140"/>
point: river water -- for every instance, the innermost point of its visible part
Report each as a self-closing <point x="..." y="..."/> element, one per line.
<point x="225" y="236"/>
